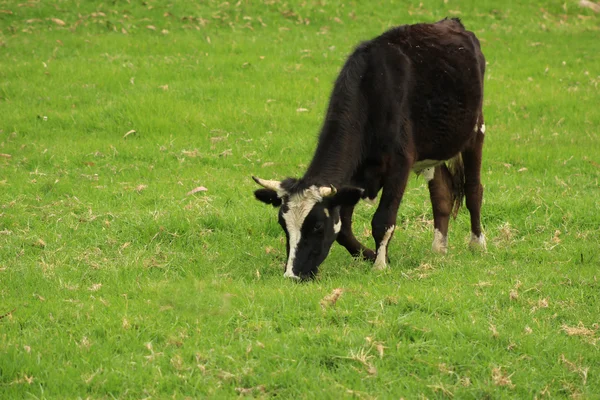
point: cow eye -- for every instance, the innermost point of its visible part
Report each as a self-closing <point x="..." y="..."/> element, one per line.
<point x="319" y="228"/>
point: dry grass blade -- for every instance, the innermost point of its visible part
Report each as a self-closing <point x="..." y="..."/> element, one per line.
<point x="583" y="371"/>
<point x="95" y="287"/>
<point x="440" y="388"/>
<point x="249" y="391"/>
<point x="5" y="155"/>
<point x="380" y="348"/>
<point x="196" y="190"/>
<point x="494" y="331"/>
<point x="59" y="22"/>
<point x="7" y="314"/>
<point x="579" y="330"/>
<point x="595" y="7"/>
<point x="501" y="379"/>
<point x="331" y="298"/>
<point x="363" y="357"/>
<point x="129" y="133"/>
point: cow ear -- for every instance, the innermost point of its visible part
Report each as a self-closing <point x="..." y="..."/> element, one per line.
<point x="267" y="196"/>
<point x="347" y="196"/>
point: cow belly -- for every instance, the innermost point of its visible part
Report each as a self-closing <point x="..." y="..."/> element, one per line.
<point x="421" y="165"/>
<point x="426" y="168"/>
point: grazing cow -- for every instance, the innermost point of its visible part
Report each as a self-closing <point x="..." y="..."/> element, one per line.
<point x="408" y="100"/>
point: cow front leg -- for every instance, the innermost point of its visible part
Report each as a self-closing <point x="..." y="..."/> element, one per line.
<point x="384" y="220"/>
<point x="473" y="189"/>
<point x="347" y="239"/>
<point x="440" y="193"/>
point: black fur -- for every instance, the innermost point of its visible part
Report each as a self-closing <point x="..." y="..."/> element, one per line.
<point x="413" y="93"/>
<point x="268" y="196"/>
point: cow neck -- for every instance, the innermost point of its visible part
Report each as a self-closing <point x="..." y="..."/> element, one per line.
<point x="335" y="159"/>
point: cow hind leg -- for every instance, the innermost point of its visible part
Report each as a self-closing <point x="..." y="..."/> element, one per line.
<point x="347" y="239"/>
<point x="440" y="193"/>
<point x="474" y="189"/>
<point x="384" y="220"/>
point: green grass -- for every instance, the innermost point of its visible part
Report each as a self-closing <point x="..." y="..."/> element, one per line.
<point x="120" y="285"/>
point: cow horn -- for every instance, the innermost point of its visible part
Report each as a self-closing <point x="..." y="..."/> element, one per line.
<point x="325" y="191"/>
<point x="273" y="185"/>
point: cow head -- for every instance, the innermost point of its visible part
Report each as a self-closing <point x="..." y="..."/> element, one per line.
<point x="310" y="218"/>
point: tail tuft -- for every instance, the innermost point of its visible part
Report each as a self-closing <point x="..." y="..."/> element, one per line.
<point x="457" y="172"/>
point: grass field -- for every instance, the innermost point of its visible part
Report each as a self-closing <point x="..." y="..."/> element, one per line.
<point x="117" y="282"/>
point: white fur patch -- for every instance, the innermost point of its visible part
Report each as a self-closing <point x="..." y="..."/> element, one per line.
<point x="440" y="242"/>
<point x="337" y="227"/>
<point x="477" y="242"/>
<point x="482" y="129"/>
<point x="288" y="274"/>
<point x="428" y="173"/>
<point x="420" y="166"/>
<point x="371" y="201"/>
<point x="299" y="206"/>
<point x="381" y="260"/>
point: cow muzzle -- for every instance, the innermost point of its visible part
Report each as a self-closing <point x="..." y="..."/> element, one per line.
<point x="290" y="274"/>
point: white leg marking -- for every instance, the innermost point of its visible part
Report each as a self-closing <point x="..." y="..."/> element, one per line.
<point x="482" y="129"/>
<point x="477" y="242"/>
<point x="440" y="242"/>
<point x="337" y="227"/>
<point x="428" y="173"/>
<point x="381" y="260"/>
<point x="475" y="128"/>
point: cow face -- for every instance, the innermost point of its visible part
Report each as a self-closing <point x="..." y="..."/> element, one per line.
<point x="310" y="218"/>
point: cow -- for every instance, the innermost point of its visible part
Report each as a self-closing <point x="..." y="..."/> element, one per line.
<point x="408" y="100"/>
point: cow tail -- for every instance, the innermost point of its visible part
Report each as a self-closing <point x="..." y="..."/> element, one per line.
<point x="457" y="174"/>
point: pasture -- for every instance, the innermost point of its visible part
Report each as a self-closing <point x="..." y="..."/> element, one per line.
<point x="136" y="263"/>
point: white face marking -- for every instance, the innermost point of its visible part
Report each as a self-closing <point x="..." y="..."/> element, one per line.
<point x="440" y="242"/>
<point x="381" y="260"/>
<point x="428" y="173"/>
<point x="300" y="206"/>
<point x="477" y="242"/>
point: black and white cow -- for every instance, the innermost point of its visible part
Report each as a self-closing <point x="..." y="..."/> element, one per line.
<point x="408" y="100"/>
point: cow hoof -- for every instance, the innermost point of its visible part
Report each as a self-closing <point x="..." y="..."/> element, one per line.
<point x="477" y="243"/>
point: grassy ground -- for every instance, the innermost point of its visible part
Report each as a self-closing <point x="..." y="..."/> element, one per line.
<point x="119" y="283"/>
